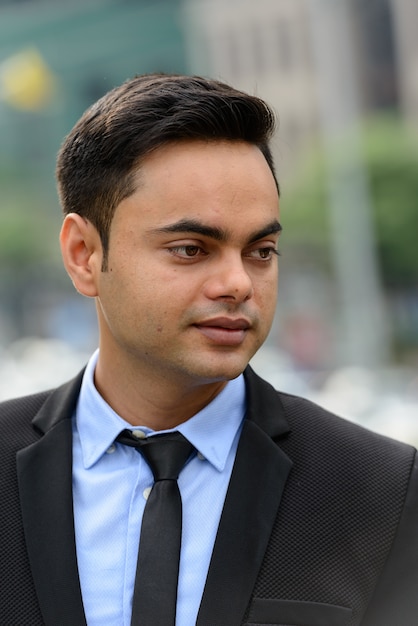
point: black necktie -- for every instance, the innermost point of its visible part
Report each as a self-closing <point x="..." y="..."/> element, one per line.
<point x="155" y="592"/>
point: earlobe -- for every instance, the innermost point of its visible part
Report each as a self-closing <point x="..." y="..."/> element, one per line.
<point x="81" y="252"/>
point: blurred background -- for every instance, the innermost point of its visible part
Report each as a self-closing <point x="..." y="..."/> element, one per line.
<point x="342" y="77"/>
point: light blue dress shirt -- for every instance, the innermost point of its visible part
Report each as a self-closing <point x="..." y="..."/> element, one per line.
<point x="111" y="483"/>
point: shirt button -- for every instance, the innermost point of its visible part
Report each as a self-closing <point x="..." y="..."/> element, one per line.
<point x="200" y="456"/>
<point x="139" y="434"/>
<point x="111" y="449"/>
<point x="146" y="492"/>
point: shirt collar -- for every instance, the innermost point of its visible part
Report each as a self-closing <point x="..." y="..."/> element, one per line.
<point x="211" y="431"/>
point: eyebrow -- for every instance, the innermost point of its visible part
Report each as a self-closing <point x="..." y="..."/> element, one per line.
<point x="213" y="232"/>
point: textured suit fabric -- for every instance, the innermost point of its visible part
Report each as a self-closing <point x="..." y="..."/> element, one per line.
<point x="339" y="513"/>
<point x="319" y="527"/>
<point x="18" y="601"/>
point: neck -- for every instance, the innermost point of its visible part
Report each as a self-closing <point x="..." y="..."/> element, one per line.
<point x="153" y="401"/>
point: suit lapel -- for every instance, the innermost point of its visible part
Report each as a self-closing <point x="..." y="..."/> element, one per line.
<point x="45" y="486"/>
<point x="255" y="490"/>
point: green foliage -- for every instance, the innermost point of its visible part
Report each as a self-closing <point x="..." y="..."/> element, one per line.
<point x="28" y="230"/>
<point x="392" y="160"/>
<point x="390" y="156"/>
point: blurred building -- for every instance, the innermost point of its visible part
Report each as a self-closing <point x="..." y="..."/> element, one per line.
<point x="268" y="47"/>
<point x="405" y="20"/>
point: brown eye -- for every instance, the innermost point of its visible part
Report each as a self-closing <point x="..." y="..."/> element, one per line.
<point x="265" y="253"/>
<point x="191" y="250"/>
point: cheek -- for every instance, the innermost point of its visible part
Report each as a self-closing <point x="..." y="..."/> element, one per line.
<point x="267" y="305"/>
<point x="267" y="292"/>
<point x="268" y="311"/>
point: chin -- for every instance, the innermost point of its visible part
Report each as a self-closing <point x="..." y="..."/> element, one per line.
<point x="215" y="367"/>
<point x="223" y="373"/>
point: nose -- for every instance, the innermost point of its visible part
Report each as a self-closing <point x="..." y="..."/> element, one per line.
<point x="229" y="280"/>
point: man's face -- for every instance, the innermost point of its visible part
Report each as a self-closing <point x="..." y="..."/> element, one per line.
<point x="191" y="286"/>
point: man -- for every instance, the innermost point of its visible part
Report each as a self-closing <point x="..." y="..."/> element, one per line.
<point x="291" y="516"/>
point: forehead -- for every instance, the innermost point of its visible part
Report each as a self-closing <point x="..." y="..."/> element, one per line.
<point x="207" y="162"/>
<point x="211" y="181"/>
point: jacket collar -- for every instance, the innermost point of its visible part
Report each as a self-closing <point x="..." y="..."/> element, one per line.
<point x="264" y="406"/>
<point x="59" y="406"/>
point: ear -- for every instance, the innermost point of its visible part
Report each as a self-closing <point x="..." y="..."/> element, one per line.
<point x="82" y="253"/>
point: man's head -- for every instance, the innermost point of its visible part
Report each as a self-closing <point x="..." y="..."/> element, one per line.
<point x="172" y="224"/>
<point x="98" y="159"/>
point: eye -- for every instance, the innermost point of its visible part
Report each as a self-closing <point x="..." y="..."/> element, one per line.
<point x="188" y="251"/>
<point x="264" y="254"/>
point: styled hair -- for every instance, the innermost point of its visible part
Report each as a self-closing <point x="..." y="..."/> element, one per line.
<point x="98" y="160"/>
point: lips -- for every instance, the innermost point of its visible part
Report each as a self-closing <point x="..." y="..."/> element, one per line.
<point x="224" y="331"/>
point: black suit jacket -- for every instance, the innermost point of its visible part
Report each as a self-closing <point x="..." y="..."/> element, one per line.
<point x="319" y="527"/>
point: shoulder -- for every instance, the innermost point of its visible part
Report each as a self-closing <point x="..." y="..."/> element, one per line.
<point x="311" y="428"/>
<point x="319" y="427"/>
<point x="23" y="420"/>
<point x="22" y="405"/>
<point x="16" y="417"/>
<point x="344" y="461"/>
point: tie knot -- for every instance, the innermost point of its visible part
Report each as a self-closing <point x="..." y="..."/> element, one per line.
<point x="166" y="454"/>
